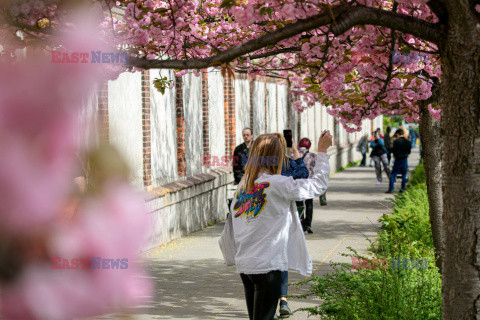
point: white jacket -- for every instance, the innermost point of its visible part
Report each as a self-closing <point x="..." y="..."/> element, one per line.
<point x="263" y="231"/>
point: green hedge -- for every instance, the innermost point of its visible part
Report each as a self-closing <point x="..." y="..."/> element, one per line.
<point x="387" y="293"/>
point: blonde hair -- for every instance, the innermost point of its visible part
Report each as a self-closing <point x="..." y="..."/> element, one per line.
<point x="266" y="154"/>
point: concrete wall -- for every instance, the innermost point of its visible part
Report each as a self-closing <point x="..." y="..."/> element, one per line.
<point x="156" y="132"/>
<point x="164" y="170"/>
<point x="192" y="104"/>
<point x="182" y="207"/>
<point x="125" y="121"/>
<point x="259" y="107"/>
<point x="242" y="106"/>
<point x="216" y="121"/>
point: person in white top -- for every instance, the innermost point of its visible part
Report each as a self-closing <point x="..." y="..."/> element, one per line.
<point x="263" y="234"/>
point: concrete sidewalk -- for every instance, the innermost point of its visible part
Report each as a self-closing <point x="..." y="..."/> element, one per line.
<point x="193" y="283"/>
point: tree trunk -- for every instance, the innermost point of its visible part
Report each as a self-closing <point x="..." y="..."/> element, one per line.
<point x="430" y="137"/>
<point x="460" y="58"/>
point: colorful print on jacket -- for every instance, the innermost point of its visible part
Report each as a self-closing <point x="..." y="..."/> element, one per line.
<point x="252" y="203"/>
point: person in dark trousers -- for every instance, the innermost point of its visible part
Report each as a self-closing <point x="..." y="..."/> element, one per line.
<point x="412" y="132"/>
<point x="379" y="156"/>
<point x="401" y="150"/>
<point x="362" y="147"/>
<point x="370" y="143"/>
<point x="309" y="159"/>
<point x="388" y="143"/>
<point x="240" y="155"/>
<point x="297" y="169"/>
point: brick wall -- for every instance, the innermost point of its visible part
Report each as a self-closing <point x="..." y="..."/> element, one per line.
<point x="299" y="123"/>
<point x="229" y="103"/>
<point x="102" y="96"/>
<point x="276" y="104"/>
<point x="146" y="130"/>
<point x="180" y="118"/>
<point x="265" y="104"/>
<point x="177" y="129"/>
<point x="205" y="131"/>
<point x="251" y="104"/>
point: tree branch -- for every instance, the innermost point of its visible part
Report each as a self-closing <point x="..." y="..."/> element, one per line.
<point x="438" y="7"/>
<point x="341" y="18"/>
<point x="372" y="16"/>
<point x="274" y="53"/>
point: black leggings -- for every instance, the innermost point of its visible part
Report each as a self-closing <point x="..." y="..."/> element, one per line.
<point x="262" y="292"/>
<point x="307" y="222"/>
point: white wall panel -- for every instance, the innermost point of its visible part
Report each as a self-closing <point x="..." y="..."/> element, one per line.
<point x="125" y="117"/>
<point x="272" y="125"/>
<point x="164" y="135"/>
<point x="258" y="108"/>
<point x="216" y="113"/>
<point x="192" y="108"/>
<point x="242" y="107"/>
<point x="282" y="104"/>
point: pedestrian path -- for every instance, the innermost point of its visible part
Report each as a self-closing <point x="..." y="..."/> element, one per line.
<point x="191" y="281"/>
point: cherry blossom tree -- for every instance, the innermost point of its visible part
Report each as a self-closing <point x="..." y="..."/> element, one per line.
<point x="347" y="54"/>
<point x="66" y="251"/>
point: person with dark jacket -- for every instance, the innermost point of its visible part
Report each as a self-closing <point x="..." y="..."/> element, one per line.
<point x="388" y="143"/>
<point x="401" y="150"/>
<point x="309" y="158"/>
<point x="297" y="169"/>
<point x="379" y="156"/>
<point x="240" y="155"/>
<point x="362" y="147"/>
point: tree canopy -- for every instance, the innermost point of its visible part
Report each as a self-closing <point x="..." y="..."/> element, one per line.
<point x="360" y="58"/>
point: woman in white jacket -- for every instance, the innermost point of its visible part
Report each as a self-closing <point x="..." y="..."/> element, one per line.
<point x="264" y="235"/>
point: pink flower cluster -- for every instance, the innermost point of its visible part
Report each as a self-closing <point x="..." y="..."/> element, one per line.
<point x="43" y="214"/>
<point x="346" y="73"/>
<point x="39" y="107"/>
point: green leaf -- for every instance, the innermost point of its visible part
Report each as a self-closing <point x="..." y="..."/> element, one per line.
<point x="228" y="3"/>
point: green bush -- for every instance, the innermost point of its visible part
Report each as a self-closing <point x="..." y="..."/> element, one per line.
<point x="378" y="294"/>
<point x="387" y="293"/>
<point x="349" y="165"/>
<point x="418" y="175"/>
<point x="406" y="231"/>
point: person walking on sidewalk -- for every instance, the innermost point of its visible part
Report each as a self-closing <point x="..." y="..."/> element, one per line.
<point x="401" y="149"/>
<point x="388" y="143"/>
<point x="372" y="137"/>
<point x="379" y="156"/>
<point x="362" y="147"/>
<point x="309" y="159"/>
<point x="263" y="235"/>
<point x="297" y="169"/>
<point x="240" y="155"/>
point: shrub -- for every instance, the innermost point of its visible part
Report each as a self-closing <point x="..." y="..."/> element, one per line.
<point x="378" y="294"/>
<point x="406" y="231"/>
<point x="387" y="293"/>
<point x="418" y="175"/>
